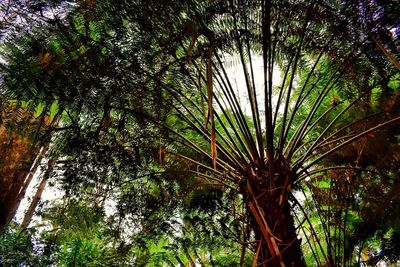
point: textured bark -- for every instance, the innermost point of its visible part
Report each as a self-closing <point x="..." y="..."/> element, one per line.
<point x="283" y="231"/>
<point x="15" y="164"/>
<point x="270" y="218"/>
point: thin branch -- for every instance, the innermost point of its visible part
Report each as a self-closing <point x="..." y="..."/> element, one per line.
<point x="318" y="159"/>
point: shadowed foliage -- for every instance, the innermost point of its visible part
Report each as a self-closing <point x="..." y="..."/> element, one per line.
<point x="291" y="145"/>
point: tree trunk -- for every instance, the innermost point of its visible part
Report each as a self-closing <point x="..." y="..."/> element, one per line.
<point x="18" y="156"/>
<point x="38" y="195"/>
<point x="28" y="179"/>
<point x="271" y="221"/>
<point x="15" y="165"/>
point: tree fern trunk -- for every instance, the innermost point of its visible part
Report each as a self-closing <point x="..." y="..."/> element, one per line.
<point x="271" y="221"/>
<point x="284" y="232"/>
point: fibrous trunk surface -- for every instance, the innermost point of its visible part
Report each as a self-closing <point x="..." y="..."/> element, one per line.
<point x="271" y="221"/>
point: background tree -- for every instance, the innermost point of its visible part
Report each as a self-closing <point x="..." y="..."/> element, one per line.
<point x="22" y="144"/>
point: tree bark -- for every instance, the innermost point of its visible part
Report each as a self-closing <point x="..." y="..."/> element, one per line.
<point x="29" y="213"/>
<point x="15" y="163"/>
<point x="14" y="207"/>
<point x="271" y="221"/>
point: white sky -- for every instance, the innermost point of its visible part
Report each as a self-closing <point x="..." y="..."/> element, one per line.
<point x="236" y="76"/>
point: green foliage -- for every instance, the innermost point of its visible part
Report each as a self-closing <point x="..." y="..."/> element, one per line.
<point x="82" y="237"/>
<point x="19" y="249"/>
<point x="145" y="103"/>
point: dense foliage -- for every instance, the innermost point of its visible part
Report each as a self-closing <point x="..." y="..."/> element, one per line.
<point x="165" y="157"/>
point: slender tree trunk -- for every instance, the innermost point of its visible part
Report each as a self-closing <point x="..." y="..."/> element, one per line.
<point x="29" y="213"/>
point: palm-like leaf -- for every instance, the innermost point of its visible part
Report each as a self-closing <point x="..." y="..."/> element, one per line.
<point x="266" y="156"/>
<point x="262" y="154"/>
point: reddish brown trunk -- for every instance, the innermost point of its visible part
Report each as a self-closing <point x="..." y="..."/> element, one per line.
<point x="17" y="159"/>
<point x="271" y="221"/>
<point x="18" y="155"/>
<point x="281" y="223"/>
<point x="28" y="180"/>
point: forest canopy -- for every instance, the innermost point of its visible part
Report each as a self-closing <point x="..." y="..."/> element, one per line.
<point x="200" y="133"/>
